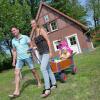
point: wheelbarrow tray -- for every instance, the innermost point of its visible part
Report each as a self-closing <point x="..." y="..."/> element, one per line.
<point x="61" y="65"/>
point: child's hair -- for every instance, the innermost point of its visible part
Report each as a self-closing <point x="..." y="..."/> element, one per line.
<point x="64" y="44"/>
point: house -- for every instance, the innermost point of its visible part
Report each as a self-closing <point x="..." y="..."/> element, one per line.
<point x="60" y="26"/>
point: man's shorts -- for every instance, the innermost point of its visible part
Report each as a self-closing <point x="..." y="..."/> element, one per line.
<point x="21" y="62"/>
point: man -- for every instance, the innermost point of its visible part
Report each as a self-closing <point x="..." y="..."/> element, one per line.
<point x="21" y="44"/>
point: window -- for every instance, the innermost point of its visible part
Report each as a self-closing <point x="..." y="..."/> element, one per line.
<point x="50" y="26"/>
<point x="73" y="40"/>
<point x="53" y="26"/>
<point x="46" y="18"/>
<point x="46" y="26"/>
<point x="55" y="44"/>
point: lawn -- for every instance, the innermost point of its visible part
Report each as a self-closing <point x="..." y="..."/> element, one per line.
<point x="85" y="85"/>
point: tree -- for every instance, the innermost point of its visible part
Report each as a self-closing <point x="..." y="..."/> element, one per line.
<point x="71" y="8"/>
<point x="33" y="4"/>
<point x="94" y="6"/>
<point x="13" y="15"/>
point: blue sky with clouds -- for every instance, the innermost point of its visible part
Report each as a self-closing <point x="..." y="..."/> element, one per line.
<point x="83" y="2"/>
<point x="89" y="17"/>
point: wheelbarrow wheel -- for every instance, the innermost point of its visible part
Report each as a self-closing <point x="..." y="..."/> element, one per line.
<point x="74" y="70"/>
<point x="63" y="77"/>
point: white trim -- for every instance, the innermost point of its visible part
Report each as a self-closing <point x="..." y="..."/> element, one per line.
<point x="51" y="26"/>
<point x="46" y="18"/>
<point x="48" y="32"/>
<point x="55" y="45"/>
<point x="79" y="48"/>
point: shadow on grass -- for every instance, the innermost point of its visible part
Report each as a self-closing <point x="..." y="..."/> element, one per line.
<point x="25" y="72"/>
<point x="27" y="83"/>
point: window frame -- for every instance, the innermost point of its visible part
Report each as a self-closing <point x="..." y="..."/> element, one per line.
<point x="55" y="46"/>
<point x="51" y="26"/>
<point x="47" y="26"/>
<point x="73" y="41"/>
<point x="46" y="18"/>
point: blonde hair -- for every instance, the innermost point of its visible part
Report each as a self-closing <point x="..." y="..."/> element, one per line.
<point x="34" y="31"/>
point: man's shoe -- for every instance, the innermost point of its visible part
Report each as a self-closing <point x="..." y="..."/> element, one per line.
<point x="14" y="95"/>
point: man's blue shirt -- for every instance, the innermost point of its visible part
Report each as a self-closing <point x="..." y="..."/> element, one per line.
<point x="21" y="46"/>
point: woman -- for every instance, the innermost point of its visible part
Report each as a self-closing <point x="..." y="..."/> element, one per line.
<point x="44" y="47"/>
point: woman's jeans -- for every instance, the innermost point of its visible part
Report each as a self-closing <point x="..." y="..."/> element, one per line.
<point x="46" y="71"/>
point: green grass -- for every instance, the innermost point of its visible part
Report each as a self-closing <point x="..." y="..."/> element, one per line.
<point x="85" y="85"/>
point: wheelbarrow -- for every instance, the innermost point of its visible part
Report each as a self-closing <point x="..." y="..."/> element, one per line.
<point x="60" y="67"/>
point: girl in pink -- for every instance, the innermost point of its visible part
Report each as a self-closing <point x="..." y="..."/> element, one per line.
<point x="64" y="50"/>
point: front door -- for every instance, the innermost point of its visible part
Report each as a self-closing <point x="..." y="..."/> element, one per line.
<point x="74" y="43"/>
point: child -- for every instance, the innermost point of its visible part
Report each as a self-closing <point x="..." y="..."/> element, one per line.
<point x="64" y="50"/>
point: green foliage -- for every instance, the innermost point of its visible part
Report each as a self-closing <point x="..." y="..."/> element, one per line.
<point x="94" y="6"/>
<point x="1" y="36"/>
<point x="96" y="40"/>
<point x="14" y="15"/>
<point x="5" y="62"/>
<point x="71" y="8"/>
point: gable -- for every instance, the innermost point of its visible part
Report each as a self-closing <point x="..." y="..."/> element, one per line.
<point x="54" y="14"/>
<point x="61" y="20"/>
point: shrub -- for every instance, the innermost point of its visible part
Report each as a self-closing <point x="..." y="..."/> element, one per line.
<point x="5" y="62"/>
<point x="96" y="40"/>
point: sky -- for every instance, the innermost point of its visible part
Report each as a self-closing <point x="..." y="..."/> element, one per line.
<point x="83" y="2"/>
<point x="89" y="17"/>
